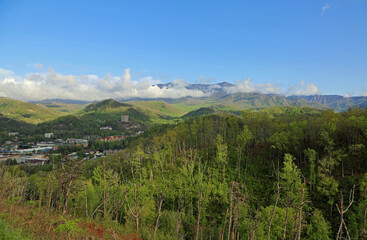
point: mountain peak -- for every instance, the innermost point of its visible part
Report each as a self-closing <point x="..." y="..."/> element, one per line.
<point x="105" y="104"/>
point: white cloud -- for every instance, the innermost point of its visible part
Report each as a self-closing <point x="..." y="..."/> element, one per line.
<point x="247" y="85"/>
<point x="49" y="84"/>
<point x="5" y="73"/>
<point x="303" y="89"/>
<point x="325" y="8"/>
<point x="9" y="80"/>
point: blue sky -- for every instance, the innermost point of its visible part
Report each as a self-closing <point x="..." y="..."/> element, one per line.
<point x="322" y="43"/>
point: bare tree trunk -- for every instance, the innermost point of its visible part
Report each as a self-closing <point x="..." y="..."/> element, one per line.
<point x="199" y="212"/>
<point x="234" y="217"/>
<point x="245" y="174"/>
<point x="249" y="230"/>
<point x="178" y="223"/>
<point x="275" y="205"/>
<point x="40" y="200"/>
<point x="301" y="210"/>
<point x="178" y="217"/>
<point x="136" y="215"/>
<point x="253" y="231"/>
<point x="363" y="233"/>
<point x="104" y="191"/>
<point x="50" y="198"/>
<point x="66" y="197"/>
<point x="285" y="222"/>
<point x="86" y="203"/>
<point x="230" y="213"/>
<point x="224" y="225"/>
<point x="59" y="199"/>
<point x="159" y="214"/>
<point x="239" y="162"/>
<point x="342" y="212"/>
<point x="238" y="223"/>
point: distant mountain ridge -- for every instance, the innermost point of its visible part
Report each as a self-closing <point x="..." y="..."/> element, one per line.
<point x="220" y="91"/>
<point x="222" y="94"/>
<point x="336" y="102"/>
<point x="204" y="87"/>
<point x="66" y="101"/>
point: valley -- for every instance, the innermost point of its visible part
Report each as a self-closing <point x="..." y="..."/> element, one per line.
<point x="230" y="165"/>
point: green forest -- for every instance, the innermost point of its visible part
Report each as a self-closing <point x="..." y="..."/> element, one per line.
<point x="280" y="173"/>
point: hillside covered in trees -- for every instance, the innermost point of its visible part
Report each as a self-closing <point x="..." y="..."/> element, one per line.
<point x="284" y="173"/>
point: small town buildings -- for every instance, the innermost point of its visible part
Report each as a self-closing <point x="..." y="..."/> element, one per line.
<point x="37" y="160"/>
<point x="112" y="138"/>
<point x="106" y="128"/>
<point x="45" y="144"/>
<point x="28" y="160"/>
<point x="33" y="150"/>
<point x="82" y="142"/>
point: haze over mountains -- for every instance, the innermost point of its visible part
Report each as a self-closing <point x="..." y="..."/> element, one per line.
<point x="220" y="97"/>
<point x="237" y="97"/>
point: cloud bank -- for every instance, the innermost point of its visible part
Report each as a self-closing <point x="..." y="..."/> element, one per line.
<point x="303" y="89"/>
<point x="246" y="86"/>
<point x="50" y="85"/>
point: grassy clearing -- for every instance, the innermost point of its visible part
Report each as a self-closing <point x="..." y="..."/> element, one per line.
<point x="7" y="232"/>
<point x="21" y="222"/>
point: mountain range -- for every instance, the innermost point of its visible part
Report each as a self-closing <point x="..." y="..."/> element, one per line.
<point x="229" y="94"/>
<point x="217" y="97"/>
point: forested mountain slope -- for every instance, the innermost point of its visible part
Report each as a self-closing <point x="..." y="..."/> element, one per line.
<point x="27" y="112"/>
<point x="291" y="173"/>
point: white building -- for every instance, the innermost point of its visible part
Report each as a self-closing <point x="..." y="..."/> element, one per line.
<point x="49" y="135"/>
<point x="125" y="118"/>
<point x="106" y="128"/>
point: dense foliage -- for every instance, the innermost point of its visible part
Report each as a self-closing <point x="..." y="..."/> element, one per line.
<point x="289" y="173"/>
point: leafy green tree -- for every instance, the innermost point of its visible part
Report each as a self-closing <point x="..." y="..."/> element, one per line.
<point x="68" y="173"/>
<point x="243" y="140"/>
<point x="103" y="181"/>
<point x="363" y="207"/>
<point x="221" y="158"/>
<point x="311" y="156"/>
<point x="290" y="177"/>
<point x="327" y="185"/>
<point x="277" y="228"/>
<point x="291" y="185"/>
<point x="318" y="227"/>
